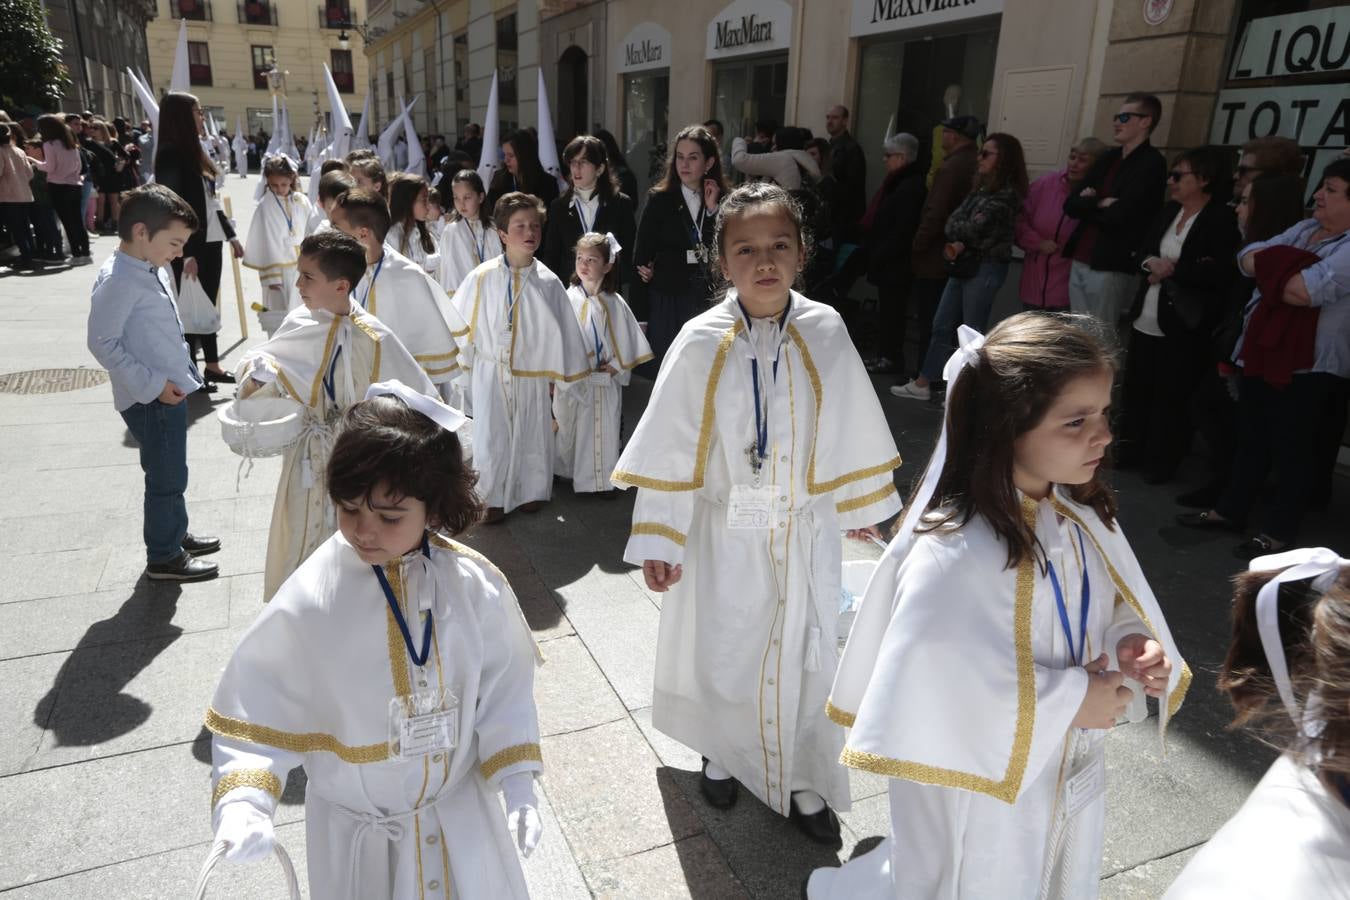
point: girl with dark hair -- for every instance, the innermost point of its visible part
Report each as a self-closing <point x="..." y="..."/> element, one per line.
<point x="408" y="214"/>
<point x="1009" y="550"/>
<point x="16" y="197"/>
<point x="522" y="171"/>
<point x="61" y="163"/>
<point x="675" y="237"/>
<point x="183" y="167"/>
<point x="109" y="163"/>
<point x="591" y="203"/>
<point x="617" y="159"/>
<point x="469" y="238"/>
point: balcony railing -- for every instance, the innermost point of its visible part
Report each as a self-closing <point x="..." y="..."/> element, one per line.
<point x="256" y="12"/>
<point x="335" y="15"/>
<point x="194" y="10"/>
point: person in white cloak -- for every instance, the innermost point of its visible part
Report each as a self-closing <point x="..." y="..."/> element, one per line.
<point x="996" y="752"/>
<point x="331" y="186"/>
<point x="409" y="232"/>
<point x="396" y="666"/>
<point x="1291" y="839"/>
<point x="398" y="292"/>
<point x="522" y="343"/>
<point x="469" y="239"/>
<point x="589" y="415"/>
<point x="324" y="356"/>
<point x="763" y="439"/>
<point x="274" y="237"/>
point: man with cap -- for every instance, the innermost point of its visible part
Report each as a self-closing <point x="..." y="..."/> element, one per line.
<point x="953" y="182"/>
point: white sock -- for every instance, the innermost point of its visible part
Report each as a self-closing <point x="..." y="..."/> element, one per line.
<point x="716" y="772"/>
<point x="808" y="802"/>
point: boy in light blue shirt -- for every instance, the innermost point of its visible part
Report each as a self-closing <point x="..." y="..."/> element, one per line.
<point x="135" y="333"/>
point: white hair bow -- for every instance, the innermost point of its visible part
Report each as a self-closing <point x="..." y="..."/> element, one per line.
<point x="614" y="246"/>
<point x="443" y="414"/>
<point x="1323" y="566"/>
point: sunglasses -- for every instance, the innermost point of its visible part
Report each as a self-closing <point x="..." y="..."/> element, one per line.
<point x="1124" y="118"/>
<point x="1176" y="175"/>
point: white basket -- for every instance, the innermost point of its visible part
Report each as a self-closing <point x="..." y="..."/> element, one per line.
<point x="261" y="426"/>
<point x="218" y="853"/>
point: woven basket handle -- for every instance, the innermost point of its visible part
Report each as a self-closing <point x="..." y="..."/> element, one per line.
<point x="217" y="853"/>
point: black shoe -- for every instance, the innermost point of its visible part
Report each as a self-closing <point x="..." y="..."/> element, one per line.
<point x="1200" y="498"/>
<point x="1207" y="522"/>
<point x="200" y="546"/>
<point x="721" y="793"/>
<point x="219" y="377"/>
<point x="184" y="567"/>
<point x="209" y="386"/>
<point x="821" y="827"/>
<point x="1261" y="545"/>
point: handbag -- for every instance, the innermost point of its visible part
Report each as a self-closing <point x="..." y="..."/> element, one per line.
<point x="195" y="310"/>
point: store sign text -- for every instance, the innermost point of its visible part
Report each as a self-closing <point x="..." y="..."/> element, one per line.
<point x="643" y="54"/>
<point x="889" y="10"/>
<point x="1313" y="115"/>
<point x="647" y="46"/>
<point x="749" y="32"/>
<point x="879" y="16"/>
<point x="1294" y="45"/>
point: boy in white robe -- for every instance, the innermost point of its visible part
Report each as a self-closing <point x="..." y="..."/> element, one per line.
<point x="988" y="657"/>
<point x="396" y="667"/>
<point x="398" y="292"/>
<point x="332" y="184"/>
<point x="468" y="240"/>
<point x="763" y="439"/>
<point x="589" y="414"/>
<point x="324" y="357"/>
<point x="521" y="340"/>
<point x="274" y="237"/>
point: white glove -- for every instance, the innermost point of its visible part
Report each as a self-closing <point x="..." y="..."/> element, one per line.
<point x="247" y="830"/>
<point x="522" y="813"/>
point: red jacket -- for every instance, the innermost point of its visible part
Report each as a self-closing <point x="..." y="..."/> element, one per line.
<point x="1045" y="277"/>
<point x="1280" y="338"/>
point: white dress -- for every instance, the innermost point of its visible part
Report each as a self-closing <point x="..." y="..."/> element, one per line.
<point x="589" y="413"/>
<point x="522" y="337"/>
<point x="312" y="682"/>
<point x="464" y="247"/>
<point x="746" y="650"/>
<point x="273" y="247"/>
<point x="406" y="300"/>
<point x="409" y="244"/>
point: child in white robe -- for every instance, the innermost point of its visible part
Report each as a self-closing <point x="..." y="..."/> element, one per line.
<point x="396" y="666"/>
<point x="987" y="659"/>
<point x="398" y="292"/>
<point x="274" y="238"/>
<point x="1288" y="674"/>
<point x="522" y="343"/>
<point x="324" y="357"/>
<point x="409" y="232"/>
<point x="589" y="414"/>
<point x="763" y="439"/>
<point x="331" y="184"/>
<point x="469" y="238"/>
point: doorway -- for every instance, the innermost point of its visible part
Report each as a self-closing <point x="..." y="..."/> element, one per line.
<point x="573" y="81"/>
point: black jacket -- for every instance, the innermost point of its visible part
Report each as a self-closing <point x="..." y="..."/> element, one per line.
<point x="191" y="186"/>
<point x="848" y="165"/>
<point x="503" y="184"/>
<point x="892" y="229"/>
<point x="1138" y="187"/>
<point x="1205" y="269"/>
<point x="563" y="229"/>
<point x="664" y="236"/>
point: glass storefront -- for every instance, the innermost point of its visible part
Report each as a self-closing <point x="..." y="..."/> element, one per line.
<point x="746" y="91"/>
<point x="646" y="122"/>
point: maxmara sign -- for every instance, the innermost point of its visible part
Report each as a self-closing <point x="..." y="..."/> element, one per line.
<point x="647" y="46"/>
<point x="750" y="26"/>
<point x="882" y="16"/>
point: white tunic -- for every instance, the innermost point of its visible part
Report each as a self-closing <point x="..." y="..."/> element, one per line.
<point x="522" y="337"/>
<point x="464" y="247"/>
<point x="273" y="247"/>
<point x="409" y="243"/>
<point x="978" y="800"/>
<point x="406" y="300"/>
<point x="588" y="415"/>
<point x="312" y="682"/>
<point x="313" y="352"/>
<point x="746" y="650"/>
<point x="1290" y="840"/>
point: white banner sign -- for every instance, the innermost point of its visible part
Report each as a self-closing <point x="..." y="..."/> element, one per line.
<point x="1298" y="44"/>
<point x="647" y="46"/>
<point x="1314" y="115"/>
<point x="750" y="26"/>
<point x="882" y="16"/>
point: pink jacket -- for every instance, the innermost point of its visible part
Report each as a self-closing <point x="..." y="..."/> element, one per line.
<point x="15" y="173"/>
<point x="1045" y="278"/>
<point x="62" y="164"/>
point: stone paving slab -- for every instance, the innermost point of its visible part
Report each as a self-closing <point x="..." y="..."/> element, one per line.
<point x="692" y="867"/>
<point x="20" y="735"/>
<point x="571" y="692"/>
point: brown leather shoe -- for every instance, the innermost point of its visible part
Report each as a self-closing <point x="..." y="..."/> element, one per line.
<point x="493" y="515"/>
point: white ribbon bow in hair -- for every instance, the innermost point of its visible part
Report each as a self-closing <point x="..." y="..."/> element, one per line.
<point x="443" y="414"/>
<point x="614" y="246"/>
<point x="1323" y="566"/>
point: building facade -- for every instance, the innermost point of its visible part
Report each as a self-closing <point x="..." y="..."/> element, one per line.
<point x="100" y="39"/>
<point x="232" y="44"/>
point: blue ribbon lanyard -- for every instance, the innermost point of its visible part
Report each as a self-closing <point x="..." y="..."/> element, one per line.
<point x="290" y="223"/>
<point x="696" y="230"/>
<point x="510" y="296"/>
<point x="479" y="246"/>
<point x="581" y="214"/>
<point x="599" y="347"/>
<point x="370" y="287"/>
<point x="1075" y="657"/>
<point x="419" y="659"/>
<point x="329" y="382"/>
<point x="762" y="407"/>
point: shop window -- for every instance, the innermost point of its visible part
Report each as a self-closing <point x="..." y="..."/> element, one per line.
<point x="340" y="62"/>
<point x="646" y="123"/>
<point x="746" y="92"/>
<point x="264" y="60"/>
<point x="199" y="64"/>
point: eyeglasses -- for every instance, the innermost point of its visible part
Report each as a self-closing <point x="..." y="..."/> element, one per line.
<point x="1176" y="175"/>
<point x="985" y="154"/>
<point x="1124" y="118"/>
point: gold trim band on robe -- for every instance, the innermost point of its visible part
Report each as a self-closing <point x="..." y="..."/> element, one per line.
<point x="658" y="530"/>
<point x="261" y="779"/>
<point x="509" y="757"/>
<point x="865" y="500"/>
<point x="311" y="742"/>
<point x="839" y="716"/>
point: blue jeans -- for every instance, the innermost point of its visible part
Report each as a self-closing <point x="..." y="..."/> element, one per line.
<point x="965" y="301"/>
<point x="161" y="431"/>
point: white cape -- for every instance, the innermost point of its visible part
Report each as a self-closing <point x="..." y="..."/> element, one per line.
<point x="465" y="247"/>
<point x="405" y="299"/>
<point x="409" y="244"/>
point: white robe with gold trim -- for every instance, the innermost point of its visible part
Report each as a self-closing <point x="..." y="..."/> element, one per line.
<point x="273" y="246"/>
<point x="958" y="684"/>
<point x="409" y="244"/>
<point x="512" y="367"/>
<point x="460" y="243"/>
<point x="746" y="650"/>
<point x="294" y="364"/>
<point x="589" y="414"/>
<point x="406" y="300"/>
<point x="311" y="683"/>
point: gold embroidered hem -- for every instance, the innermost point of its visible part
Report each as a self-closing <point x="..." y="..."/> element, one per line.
<point x="659" y="530"/>
<point x="312" y="742"/>
<point x="839" y="716"/>
<point x="866" y="499"/>
<point x="261" y="779"/>
<point x="509" y="757"/>
<point x="912" y="771"/>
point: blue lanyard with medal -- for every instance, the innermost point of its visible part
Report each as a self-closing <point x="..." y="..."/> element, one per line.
<point x="1075" y="656"/>
<point x="505" y="339"/>
<point x="371" y="287"/>
<point x="285" y="213"/>
<point x="419" y="659"/>
<point x="479" y="246"/>
<point x="756" y="505"/>
<point x="699" y="253"/>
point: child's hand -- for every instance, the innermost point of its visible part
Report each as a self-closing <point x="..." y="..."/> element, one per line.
<point x="870" y="533"/>
<point x="1105" y="700"/>
<point x="661" y="576"/>
<point x="190" y="266"/>
<point x="172" y="395"/>
<point x="1143" y="659"/>
<point x="247" y="831"/>
<point x="645" y="273"/>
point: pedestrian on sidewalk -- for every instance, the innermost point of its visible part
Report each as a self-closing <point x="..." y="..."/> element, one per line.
<point x="16" y="197"/>
<point x="888" y="229"/>
<point x="1043" y="227"/>
<point x="134" y="333"/>
<point x="61" y="162"/>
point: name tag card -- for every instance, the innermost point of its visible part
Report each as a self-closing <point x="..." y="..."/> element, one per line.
<point x="600" y="378"/>
<point x="1085" y="785"/>
<point x="752" y="507"/>
<point x="423" y="723"/>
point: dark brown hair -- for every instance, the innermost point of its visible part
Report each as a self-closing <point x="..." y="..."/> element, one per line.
<point x="475" y="181"/>
<point x="154" y="206"/>
<point x="1315" y="632"/>
<point x="1010" y="169"/>
<point x="176" y="135"/>
<point x="593" y="240"/>
<point x="385" y="443"/>
<point x="740" y="202"/>
<point x="670" y="181"/>
<point x="332" y="165"/>
<point x="338" y="254"/>
<point x="280" y="165"/>
<point x="516" y="201"/>
<point x="54" y="128"/>
<point x="530" y="175"/>
<point x="1275" y="155"/>
<point x="1213" y="166"/>
<point x="334" y="184"/>
<point x="404" y="189"/>
<point x="591" y="149"/>
<point x="1274" y="204"/>
<point x="1024" y="364"/>
<point x="371" y="168"/>
<point x="365" y="209"/>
